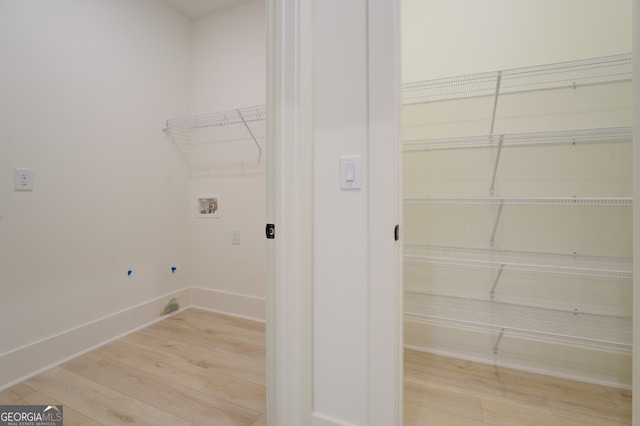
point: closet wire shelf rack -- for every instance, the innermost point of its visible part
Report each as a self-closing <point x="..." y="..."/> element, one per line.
<point x="585" y="329"/>
<point x="576" y="201"/>
<point x="563" y="137"/>
<point x="570" y="75"/>
<point x="563" y="326"/>
<point x="555" y="263"/>
<point x="187" y="134"/>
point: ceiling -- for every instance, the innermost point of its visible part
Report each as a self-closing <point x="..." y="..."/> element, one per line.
<point x="195" y="9"/>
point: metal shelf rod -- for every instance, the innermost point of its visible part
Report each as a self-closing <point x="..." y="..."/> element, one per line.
<point x="492" y="188"/>
<point x="563" y="137"/>
<point x="568" y="201"/>
<point x="492" y="240"/>
<point x="556" y="263"/>
<point x="495" y="347"/>
<point x="250" y="133"/>
<point x="586" y="329"/>
<point x="495" y="104"/>
<point x="492" y="292"/>
<point x="572" y="74"/>
<point x="221" y="118"/>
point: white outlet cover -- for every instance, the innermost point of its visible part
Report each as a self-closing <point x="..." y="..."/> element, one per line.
<point x="22" y="179"/>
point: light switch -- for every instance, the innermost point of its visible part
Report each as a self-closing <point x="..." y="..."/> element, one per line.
<point x="350" y="172"/>
<point x="235" y="236"/>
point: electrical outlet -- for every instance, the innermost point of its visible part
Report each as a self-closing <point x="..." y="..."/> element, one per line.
<point x="22" y="179"/>
<point x="235" y="236"/>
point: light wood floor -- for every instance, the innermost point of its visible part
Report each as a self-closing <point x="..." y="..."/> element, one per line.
<point x="194" y="368"/>
<point x="447" y="391"/>
<point x="201" y="368"/>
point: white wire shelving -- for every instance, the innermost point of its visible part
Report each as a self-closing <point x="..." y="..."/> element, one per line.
<point x="564" y="137"/>
<point x="191" y="136"/>
<point x="570" y="75"/>
<point x="570" y="326"/>
<point x="569" y="201"/>
<point x="555" y="263"/>
<point x="547" y="98"/>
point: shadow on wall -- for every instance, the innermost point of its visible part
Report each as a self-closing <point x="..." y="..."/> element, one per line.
<point x="172" y="306"/>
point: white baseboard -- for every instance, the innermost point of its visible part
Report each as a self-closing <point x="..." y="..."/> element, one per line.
<point x="601" y="367"/>
<point x="25" y="362"/>
<point x="322" y="420"/>
<point x="28" y="361"/>
<point x="234" y="304"/>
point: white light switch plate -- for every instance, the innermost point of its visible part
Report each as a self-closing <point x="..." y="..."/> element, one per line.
<point x="350" y="172"/>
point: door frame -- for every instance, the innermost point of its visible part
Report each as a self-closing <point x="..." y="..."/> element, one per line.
<point x="290" y="132"/>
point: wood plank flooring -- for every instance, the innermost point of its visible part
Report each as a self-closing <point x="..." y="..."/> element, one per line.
<point x="202" y="368"/>
<point x="446" y="391"/>
<point x="193" y="368"/>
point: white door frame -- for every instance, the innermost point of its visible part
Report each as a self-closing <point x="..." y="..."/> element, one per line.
<point x="291" y="209"/>
<point x="386" y="341"/>
<point x="636" y="211"/>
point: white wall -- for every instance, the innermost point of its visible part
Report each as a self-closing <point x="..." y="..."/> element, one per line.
<point x="83" y="90"/>
<point x="443" y="38"/>
<point x="228" y="67"/>
<point x="228" y="72"/>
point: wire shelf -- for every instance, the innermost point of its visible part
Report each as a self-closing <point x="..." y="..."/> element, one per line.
<point x="572" y="74"/>
<point x="568" y="327"/>
<point x="556" y="97"/>
<point x="565" y="137"/>
<point x="567" y="264"/>
<point x="568" y="201"/>
<point x="221" y="118"/>
<point x="217" y="137"/>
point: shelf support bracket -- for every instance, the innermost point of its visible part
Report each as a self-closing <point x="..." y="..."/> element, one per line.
<point x="492" y="188"/>
<point x="495" y="347"/>
<point x="492" y="293"/>
<point x="495" y="104"/>
<point x="492" y="240"/>
<point x="182" y="156"/>
<point x="251" y="133"/>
